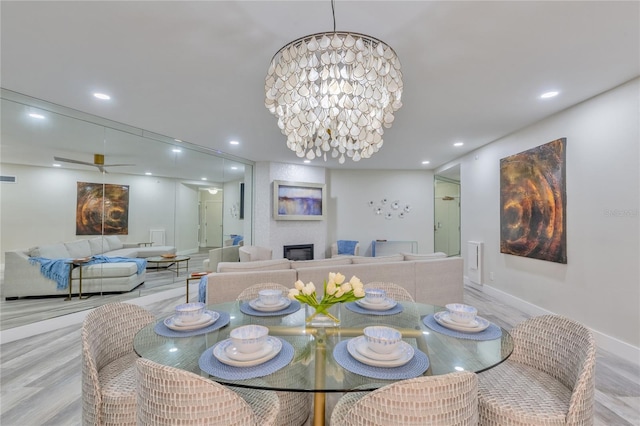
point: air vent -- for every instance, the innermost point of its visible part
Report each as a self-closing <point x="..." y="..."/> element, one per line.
<point x="8" y="179"/>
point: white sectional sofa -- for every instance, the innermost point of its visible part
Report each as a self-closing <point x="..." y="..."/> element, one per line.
<point x="433" y="278"/>
<point x="23" y="278"/>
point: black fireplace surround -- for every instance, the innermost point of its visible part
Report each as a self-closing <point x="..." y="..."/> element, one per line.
<point x="299" y="252"/>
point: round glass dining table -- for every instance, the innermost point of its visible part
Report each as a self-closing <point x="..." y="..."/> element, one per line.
<point x="313" y="367"/>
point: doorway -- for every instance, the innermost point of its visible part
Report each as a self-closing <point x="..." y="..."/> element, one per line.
<point x="213" y="223"/>
<point x="446" y="225"/>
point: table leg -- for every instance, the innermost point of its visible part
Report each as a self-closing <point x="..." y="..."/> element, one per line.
<point x="320" y="374"/>
<point x="187" y="289"/>
<point x="70" y="281"/>
<point x="80" y="285"/>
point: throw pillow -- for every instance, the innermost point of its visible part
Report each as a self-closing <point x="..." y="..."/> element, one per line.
<point x="54" y="251"/>
<point x="379" y="259"/>
<point x="414" y="256"/>
<point x="79" y="248"/>
<point x="114" y="242"/>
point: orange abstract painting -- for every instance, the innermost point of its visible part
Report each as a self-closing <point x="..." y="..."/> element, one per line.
<point x="533" y="203"/>
<point x="102" y="209"/>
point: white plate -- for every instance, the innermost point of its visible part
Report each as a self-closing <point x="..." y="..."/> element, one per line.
<point x="405" y="353"/>
<point x="211" y="317"/>
<point x="476" y="326"/>
<point x="385" y="306"/>
<point x="259" y="306"/>
<point x="204" y="318"/>
<point x="220" y="352"/>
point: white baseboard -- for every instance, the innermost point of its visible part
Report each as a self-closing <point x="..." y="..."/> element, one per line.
<point x="44" y="326"/>
<point x="604" y="341"/>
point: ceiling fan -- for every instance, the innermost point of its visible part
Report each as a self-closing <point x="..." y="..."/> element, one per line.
<point x="98" y="161"/>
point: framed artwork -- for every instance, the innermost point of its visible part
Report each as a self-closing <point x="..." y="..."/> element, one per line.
<point x="533" y="199"/>
<point x="298" y="201"/>
<point x="102" y="209"/>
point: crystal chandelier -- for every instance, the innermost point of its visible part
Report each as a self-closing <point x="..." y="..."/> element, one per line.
<point x="334" y="92"/>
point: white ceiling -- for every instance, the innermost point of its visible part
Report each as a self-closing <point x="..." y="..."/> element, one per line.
<point x="195" y="71"/>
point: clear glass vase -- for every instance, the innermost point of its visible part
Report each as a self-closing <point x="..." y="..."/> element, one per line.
<point x="323" y="315"/>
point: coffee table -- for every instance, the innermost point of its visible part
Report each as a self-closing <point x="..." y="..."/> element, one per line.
<point x="170" y="261"/>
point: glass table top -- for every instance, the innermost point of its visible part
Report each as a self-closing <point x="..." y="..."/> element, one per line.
<point x="313" y="368"/>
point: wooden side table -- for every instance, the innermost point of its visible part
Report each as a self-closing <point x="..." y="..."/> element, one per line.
<point x="194" y="276"/>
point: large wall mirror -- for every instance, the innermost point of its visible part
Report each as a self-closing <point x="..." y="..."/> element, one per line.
<point x="179" y="194"/>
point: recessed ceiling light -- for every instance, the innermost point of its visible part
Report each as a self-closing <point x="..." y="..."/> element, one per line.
<point x="148" y="173"/>
<point x="426" y="162"/>
<point x="35" y="115"/>
<point x="234" y="143"/>
<point x="458" y="144"/>
<point x="306" y="161"/>
<point x="56" y="165"/>
<point x="204" y="178"/>
<point x="102" y="96"/>
<point x="176" y="150"/>
<point x="549" y="95"/>
<point x="234" y="168"/>
<point x="177" y="140"/>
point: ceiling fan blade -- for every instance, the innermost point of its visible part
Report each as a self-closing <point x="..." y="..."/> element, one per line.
<point x="69" y="160"/>
<point x="116" y="165"/>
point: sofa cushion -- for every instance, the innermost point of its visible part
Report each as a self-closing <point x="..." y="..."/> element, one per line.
<point x="114" y="242"/>
<point x="98" y="245"/>
<point x="52" y="251"/>
<point x="258" y="265"/>
<point x="78" y="248"/>
<point x="333" y="261"/>
<point x="380" y="259"/>
<point x="415" y="256"/>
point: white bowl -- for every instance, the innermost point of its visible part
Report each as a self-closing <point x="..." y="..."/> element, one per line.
<point x="249" y="338"/>
<point x="189" y="312"/>
<point x="381" y="339"/>
<point x="270" y="296"/>
<point x="375" y="295"/>
<point x="461" y="313"/>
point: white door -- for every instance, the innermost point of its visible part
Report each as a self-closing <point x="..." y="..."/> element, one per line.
<point x="213" y="223"/>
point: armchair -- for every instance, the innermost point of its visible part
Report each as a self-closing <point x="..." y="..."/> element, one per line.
<point x="253" y="253"/>
<point x="343" y="247"/>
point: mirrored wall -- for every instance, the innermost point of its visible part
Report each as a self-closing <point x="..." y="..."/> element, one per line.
<point x="447" y="211"/>
<point x="179" y="194"/>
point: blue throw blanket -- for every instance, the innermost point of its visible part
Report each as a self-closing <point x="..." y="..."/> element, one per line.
<point x="202" y="289"/>
<point x="236" y="239"/>
<point x="346" y="246"/>
<point x="58" y="269"/>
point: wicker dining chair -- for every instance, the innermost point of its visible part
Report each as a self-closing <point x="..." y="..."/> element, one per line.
<point x="108" y="363"/>
<point x="394" y="291"/>
<point x="294" y="406"/>
<point x="171" y="396"/>
<point x="449" y="399"/>
<point x="547" y="380"/>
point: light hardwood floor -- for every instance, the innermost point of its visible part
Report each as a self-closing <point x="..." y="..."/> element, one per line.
<point x="41" y="375"/>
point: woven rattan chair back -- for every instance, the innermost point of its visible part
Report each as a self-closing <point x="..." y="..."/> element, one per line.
<point x="170" y="396"/>
<point x="393" y="290"/>
<point x="108" y="371"/>
<point x="294" y="406"/>
<point x="251" y="292"/>
<point x="449" y="399"/>
<point x="563" y="350"/>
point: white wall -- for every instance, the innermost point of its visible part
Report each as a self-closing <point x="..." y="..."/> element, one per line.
<point x="40" y="208"/>
<point x="278" y="233"/>
<point x="600" y="284"/>
<point x="352" y="218"/>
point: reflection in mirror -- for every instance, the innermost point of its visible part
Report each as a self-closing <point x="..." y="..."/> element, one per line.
<point x="447" y="211"/>
<point x="178" y="197"/>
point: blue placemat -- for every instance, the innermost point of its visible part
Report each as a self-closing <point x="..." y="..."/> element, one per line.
<point x="354" y="307"/>
<point x="210" y="364"/>
<point x="165" y="331"/>
<point x="247" y="309"/>
<point x="418" y="365"/>
<point x="491" y="332"/>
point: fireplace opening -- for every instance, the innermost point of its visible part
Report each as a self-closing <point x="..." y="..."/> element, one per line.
<point x="299" y="252"/>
